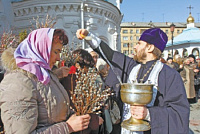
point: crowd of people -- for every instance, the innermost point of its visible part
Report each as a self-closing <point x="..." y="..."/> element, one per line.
<point x="35" y="95"/>
<point x="189" y="69"/>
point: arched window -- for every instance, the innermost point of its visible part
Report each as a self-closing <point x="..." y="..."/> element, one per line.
<point x="195" y="52"/>
<point x="185" y="53"/>
<point x="176" y="52"/>
<point x="169" y="53"/>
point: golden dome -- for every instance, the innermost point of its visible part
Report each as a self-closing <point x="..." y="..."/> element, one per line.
<point x="190" y="19"/>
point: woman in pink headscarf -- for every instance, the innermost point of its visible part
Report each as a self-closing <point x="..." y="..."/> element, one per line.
<point x="32" y="99"/>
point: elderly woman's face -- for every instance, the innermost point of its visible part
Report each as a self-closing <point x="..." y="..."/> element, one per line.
<point x="187" y="61"/>
<point x="55" y="53"/>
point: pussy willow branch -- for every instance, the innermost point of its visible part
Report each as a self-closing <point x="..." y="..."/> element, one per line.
<point x="88" y="95"/>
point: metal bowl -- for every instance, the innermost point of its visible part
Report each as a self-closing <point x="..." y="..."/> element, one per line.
<point x="136" y="93"/>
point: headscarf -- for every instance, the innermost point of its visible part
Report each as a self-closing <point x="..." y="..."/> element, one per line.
<point x="33" y="53"/>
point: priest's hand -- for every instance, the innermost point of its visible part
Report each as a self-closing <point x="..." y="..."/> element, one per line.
<point x="139" y="112"/>
<point x="81" y="33"/>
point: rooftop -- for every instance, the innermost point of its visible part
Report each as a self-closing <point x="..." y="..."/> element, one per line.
<point x="189" y="35"/>
<point x="154" y="24"/>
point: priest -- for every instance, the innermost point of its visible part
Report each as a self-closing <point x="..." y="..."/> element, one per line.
<point x="168" y="112"/>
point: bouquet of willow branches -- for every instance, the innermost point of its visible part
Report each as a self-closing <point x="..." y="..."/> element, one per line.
<point x="8" y="39"/>
<point x="45" y="22"/>
<point x="88" y="96"/>
<point x="66" y="54"/>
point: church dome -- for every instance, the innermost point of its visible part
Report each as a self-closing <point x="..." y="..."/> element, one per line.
<point x="190" y="19"/>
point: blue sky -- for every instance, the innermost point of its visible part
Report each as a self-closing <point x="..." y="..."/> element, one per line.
<point x="159" y="10"/>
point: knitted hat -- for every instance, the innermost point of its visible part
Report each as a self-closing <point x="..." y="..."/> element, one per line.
<point x="192" y="56"/>
<point x="156" y="37"/>
<point x="169" y="58"/>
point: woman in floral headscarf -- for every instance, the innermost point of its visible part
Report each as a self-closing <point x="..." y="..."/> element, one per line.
<point x="32" y="99"/>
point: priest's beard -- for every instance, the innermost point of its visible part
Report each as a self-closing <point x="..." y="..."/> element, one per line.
<point x="140" y="56"/>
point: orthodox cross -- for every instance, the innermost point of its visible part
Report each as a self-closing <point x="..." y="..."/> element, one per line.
<point x="190" y="7"/>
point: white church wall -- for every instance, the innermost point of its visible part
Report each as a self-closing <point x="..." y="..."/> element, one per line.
<point x="100" y="17"/>
<point x="6" y="16"/>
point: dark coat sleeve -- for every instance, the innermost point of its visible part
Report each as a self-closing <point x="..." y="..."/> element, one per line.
<point x="122" y="65"/>
<point x="170" y="115"/>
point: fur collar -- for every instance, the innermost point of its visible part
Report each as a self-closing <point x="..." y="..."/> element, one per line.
<point x="9" y="63"/>
<point x="8" y="60"/>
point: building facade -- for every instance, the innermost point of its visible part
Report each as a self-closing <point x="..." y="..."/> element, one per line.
<point x="131" y="32"/>
<point x="102" y="17"/>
